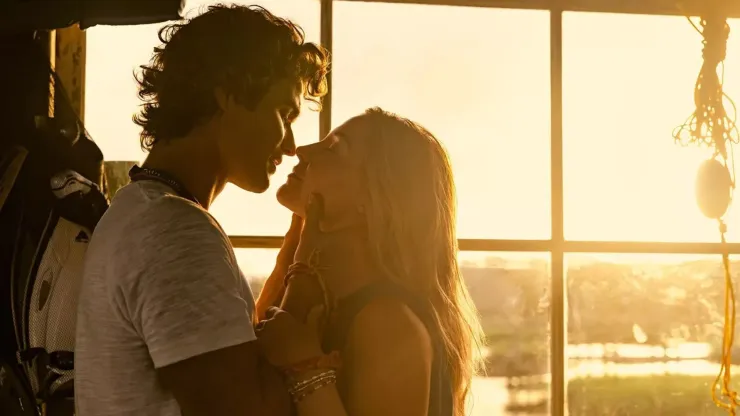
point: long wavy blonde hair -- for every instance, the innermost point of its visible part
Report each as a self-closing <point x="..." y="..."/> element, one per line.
<point x="411" y="215"/>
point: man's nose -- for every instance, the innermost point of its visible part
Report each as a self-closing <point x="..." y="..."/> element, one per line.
<point x="302" y="153"/>
<point x="288" y="146"/>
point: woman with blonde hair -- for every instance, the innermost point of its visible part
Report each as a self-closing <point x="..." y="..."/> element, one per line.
<point x="395" y="332"/>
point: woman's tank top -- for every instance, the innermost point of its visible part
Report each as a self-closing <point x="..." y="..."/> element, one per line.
<point x="440" y="397"/>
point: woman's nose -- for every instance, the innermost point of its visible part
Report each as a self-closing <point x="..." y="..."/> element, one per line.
<point x="302" y="153"/>
<point x="307" y="152"/>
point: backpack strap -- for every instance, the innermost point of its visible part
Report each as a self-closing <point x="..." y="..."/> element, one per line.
<point x="49" y="367"/>
<point x="16" y="397"/>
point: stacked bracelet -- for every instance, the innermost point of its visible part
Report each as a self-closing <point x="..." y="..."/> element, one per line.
<point x="301" y="389"/>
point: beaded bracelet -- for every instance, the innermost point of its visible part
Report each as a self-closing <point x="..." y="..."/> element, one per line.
<point x="303" y="388"/>
<point x="303" y="383"/>
<point x="313" y="388"/>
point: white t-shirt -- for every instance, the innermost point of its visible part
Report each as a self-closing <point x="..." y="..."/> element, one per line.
<point x="161" y="284"/>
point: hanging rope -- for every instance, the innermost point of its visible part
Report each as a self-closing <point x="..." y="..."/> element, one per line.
<point x="710" y="125"/>
<point x="728" y="398"/>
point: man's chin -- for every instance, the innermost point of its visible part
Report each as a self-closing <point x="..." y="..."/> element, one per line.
<point x="256" y="186"/>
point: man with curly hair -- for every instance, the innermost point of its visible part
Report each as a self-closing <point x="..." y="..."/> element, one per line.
<point x="165" y="316"/>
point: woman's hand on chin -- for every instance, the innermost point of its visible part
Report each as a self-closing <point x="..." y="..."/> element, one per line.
<point x="285" y="341"/>
<point x="273" y="290"/>
<point x="311" y="237"/>
<point x="290" y="243"/>
<point x="320" y="233"/>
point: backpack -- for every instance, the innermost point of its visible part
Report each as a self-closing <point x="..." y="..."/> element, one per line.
<point x="51" y="198"/>
<point x="50" y="202"/>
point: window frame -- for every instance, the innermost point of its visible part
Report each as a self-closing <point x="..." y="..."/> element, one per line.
<point x="557" y="245"/>
<point x="67" y="52"/>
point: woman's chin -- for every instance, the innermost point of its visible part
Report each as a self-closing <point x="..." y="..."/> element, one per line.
<point x="290" y="199"/>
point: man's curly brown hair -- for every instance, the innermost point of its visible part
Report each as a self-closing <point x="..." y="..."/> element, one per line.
<point x="243" y="50"/>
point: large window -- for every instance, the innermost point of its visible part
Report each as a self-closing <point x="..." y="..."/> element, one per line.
<point x="642" y="330"/>
<point x="479" y="80"/>
<point x="628" y="81"/>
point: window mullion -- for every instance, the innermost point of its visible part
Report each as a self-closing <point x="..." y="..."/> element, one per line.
<point x="558" y="316"/>
<point x="327" y="27"/>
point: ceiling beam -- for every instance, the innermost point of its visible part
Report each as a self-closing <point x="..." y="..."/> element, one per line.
<point x="655" y="7"/>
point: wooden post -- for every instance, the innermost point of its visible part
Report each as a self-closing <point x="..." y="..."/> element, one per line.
<point x="70" y="66"/>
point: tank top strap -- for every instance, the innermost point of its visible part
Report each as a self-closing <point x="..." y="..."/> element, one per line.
<point x="348" y="308"/>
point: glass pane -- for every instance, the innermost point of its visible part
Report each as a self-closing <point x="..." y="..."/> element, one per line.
<point x="644" y="334"/>
<point x="510" y="292"/>
<point x="487" y="97"/>
<point x="115" y="52"/>
<point x="628" y="82"/>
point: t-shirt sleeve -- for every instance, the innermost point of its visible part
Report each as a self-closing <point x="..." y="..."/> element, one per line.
<point x="184" y="293"/>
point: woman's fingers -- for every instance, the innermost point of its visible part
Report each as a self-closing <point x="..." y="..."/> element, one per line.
<point x="285" y="341"/>
<point x="314" y="211"/>
<point x="311" y="238"/>
<point x="272" y="311"/>
<point x="296" y="222"/>
<point x="272" y="317"/>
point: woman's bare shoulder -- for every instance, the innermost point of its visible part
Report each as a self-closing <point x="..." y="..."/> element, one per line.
<point x="388" y="321"/>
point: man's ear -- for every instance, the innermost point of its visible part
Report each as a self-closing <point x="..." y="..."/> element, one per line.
<point x="222" y="98"/>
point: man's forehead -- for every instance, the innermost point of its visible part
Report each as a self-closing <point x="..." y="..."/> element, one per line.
<point x="290" y="92"/>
